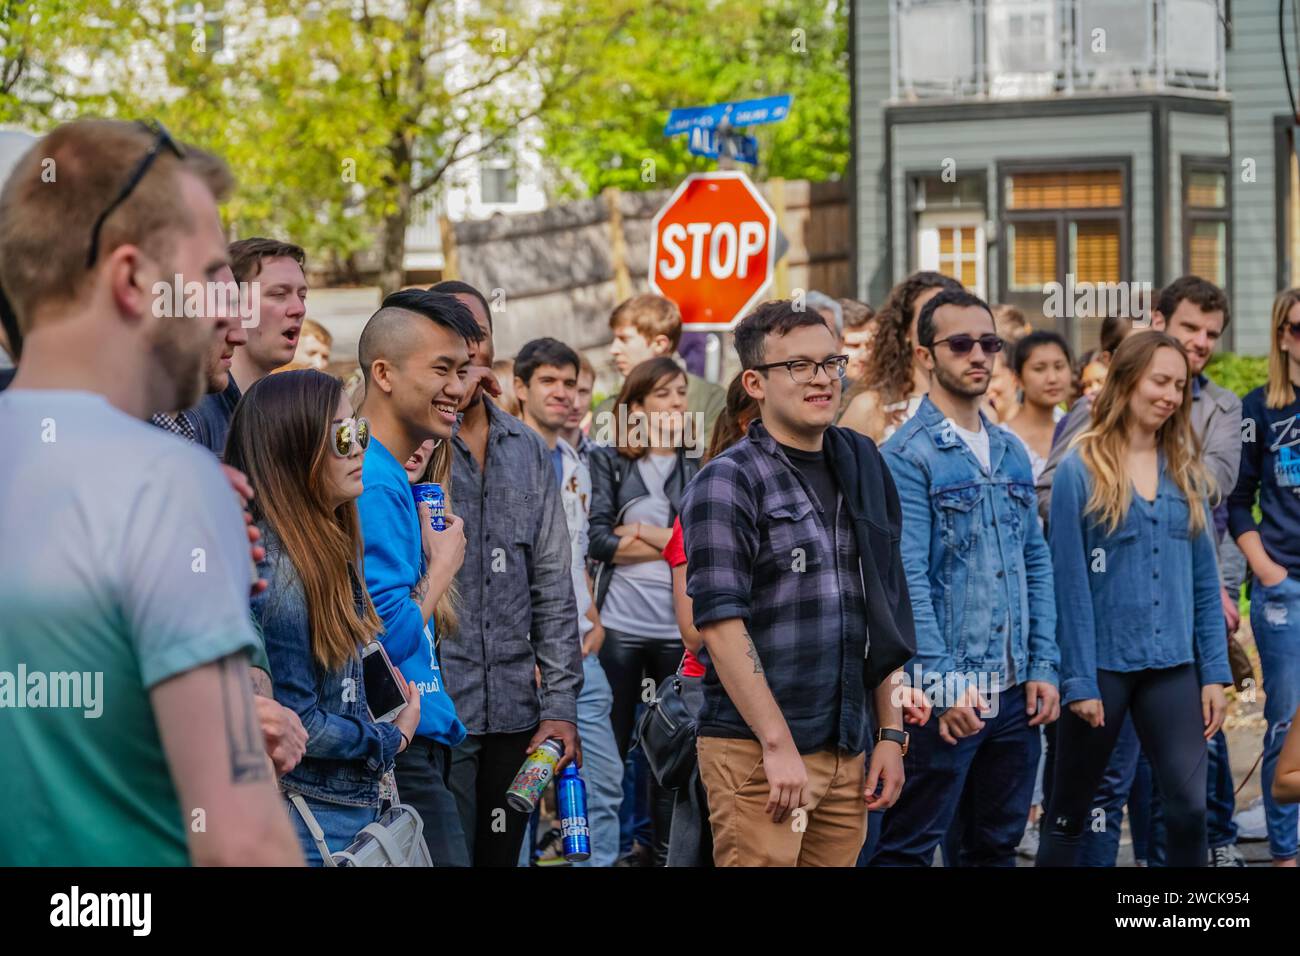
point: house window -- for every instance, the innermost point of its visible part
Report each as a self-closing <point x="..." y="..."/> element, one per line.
<point x="1067" y="226"/>
<point x="191" y="16"/>
<point x="1205" y="219"/>
<point x="949" y="228"/>
<point x="497" y="180"/>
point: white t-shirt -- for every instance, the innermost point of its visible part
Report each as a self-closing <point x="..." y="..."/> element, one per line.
<point x="977" y="442"/>
<point x="119" y="534"/>
<point x="123" y="562"/>
<point x="640" y="596"/>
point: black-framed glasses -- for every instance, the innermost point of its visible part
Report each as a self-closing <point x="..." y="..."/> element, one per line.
<point x="803" y="371"/>
<point x="348" y="434"/>
<point x="962" y="344"/>
<point x="162" y="139"/>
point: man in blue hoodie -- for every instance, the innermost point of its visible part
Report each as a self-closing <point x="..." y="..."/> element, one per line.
<point x="414" y="354"/>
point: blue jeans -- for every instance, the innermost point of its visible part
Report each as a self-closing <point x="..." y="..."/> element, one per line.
<point x="340" y="823"/>
<point x="1275" y="620"/>
<point x="635" y="824"/>
<point x="995" y="768"/>
<point x="602" y="770"/>
<point x="1101" y="834"/>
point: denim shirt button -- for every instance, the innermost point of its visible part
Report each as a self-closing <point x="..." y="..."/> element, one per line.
<point x="1155" y="574"/>
<point x="999" y="574"/>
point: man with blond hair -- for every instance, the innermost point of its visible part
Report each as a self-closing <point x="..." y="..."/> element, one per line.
<point x="128" y="574"/>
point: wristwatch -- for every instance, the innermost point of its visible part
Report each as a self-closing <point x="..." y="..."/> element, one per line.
<point x="899" y="737"/>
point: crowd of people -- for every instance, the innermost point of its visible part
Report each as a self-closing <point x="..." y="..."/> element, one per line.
<point x="923" y="582"/>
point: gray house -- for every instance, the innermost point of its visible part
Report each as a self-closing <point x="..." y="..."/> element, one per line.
<point x="1095" y="144"/>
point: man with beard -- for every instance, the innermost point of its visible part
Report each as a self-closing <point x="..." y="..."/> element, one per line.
<point x="980" y="580"/>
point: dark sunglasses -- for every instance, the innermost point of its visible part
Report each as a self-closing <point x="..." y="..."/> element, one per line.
<point x="348" y="434"/>
<point x="1293" y="329"/>
<point x="162" y="139"/>
<point x="962" y="344"/>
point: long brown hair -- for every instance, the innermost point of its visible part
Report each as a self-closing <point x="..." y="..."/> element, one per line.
<point x="1103" y="445"/>
<point x="740" y="410"/>
<point x="438" y="469"/>
<point x="279" y="438"/>
<point x="1280" y="393"/>
<point x="889" y="366"/>
<point x="640" y="382"/>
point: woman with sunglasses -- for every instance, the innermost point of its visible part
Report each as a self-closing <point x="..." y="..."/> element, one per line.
<point x="1139" y="620"/>
<point x="295" y="437"/>
<point x="1270" y="470"/>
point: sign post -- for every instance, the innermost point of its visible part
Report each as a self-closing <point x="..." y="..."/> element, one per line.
<point x="708" y="302"/>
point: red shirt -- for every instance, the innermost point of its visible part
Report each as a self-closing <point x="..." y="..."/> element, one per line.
<point x="675" y="555"/>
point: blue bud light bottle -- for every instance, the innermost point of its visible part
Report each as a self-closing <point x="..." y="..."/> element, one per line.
<point x="432" y="494"/>
<point x="571" y="794"/>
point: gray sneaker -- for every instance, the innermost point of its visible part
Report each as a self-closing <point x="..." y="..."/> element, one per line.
<point x="1226" y="856"/>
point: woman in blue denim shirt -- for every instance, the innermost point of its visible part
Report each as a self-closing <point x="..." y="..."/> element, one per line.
<point x="1139" y="620"/>
<point x="295" y="437"/>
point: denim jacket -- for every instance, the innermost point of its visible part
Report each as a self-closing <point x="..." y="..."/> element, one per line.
<point x="977" y="565"/>
<point x="347" y="752"/>
<point x="1144" y="597"/>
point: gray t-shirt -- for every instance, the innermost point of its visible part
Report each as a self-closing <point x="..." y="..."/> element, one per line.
<point x="640" y="596"/>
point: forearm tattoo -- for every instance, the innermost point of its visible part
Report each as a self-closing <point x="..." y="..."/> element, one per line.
<point x="243" y="733"/>
<point x="753" y="654"/>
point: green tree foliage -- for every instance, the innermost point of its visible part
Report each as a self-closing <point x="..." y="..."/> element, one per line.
<point x="607" y="130"/>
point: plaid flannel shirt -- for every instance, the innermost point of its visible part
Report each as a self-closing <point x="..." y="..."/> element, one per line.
<point x="756" y="550"/>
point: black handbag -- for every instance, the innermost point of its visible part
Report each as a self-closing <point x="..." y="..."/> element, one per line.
<point x="666" y="732"/>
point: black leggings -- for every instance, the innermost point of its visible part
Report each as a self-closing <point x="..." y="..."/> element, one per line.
<point x="1166" y="708"/>
<point x="628" y="659"/>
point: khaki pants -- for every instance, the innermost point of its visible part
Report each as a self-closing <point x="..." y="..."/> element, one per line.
<point x="829" y="831"/>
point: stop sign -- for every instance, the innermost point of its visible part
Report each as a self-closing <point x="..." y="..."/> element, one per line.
<point x="712" y="249"/>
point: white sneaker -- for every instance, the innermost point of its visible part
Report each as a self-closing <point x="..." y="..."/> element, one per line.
<point x="1028" y="847"/>
<point x="1251" y="822"/>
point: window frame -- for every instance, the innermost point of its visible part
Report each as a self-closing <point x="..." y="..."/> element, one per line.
<point x="1068" y="325"/>
<point x="1222" y="165"/>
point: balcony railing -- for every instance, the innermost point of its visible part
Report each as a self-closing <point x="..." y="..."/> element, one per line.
<point x="1018" y="49"/>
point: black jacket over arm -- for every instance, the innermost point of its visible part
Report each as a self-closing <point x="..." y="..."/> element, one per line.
<point x="872" y="500"/>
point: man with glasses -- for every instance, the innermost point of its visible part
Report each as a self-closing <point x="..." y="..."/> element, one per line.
<point x="798" y="591"/>
<point x="129" y="571"/>
<point x="980" y="580"/>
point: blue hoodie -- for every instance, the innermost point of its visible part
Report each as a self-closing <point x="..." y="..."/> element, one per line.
<point x="390" y="525"/>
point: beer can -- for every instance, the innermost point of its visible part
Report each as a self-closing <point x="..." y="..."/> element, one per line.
<point x="431" y="493"/>
<point x="533" y="776"/>
<point x="571" y="794"/>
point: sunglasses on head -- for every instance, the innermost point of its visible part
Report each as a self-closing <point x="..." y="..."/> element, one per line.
<point x="162" y="140"/>
<point x="348" y="434"/>
<point x="962" y="344"/>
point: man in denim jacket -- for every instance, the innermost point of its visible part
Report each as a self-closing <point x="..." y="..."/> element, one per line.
<point x="980" y="578"/>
